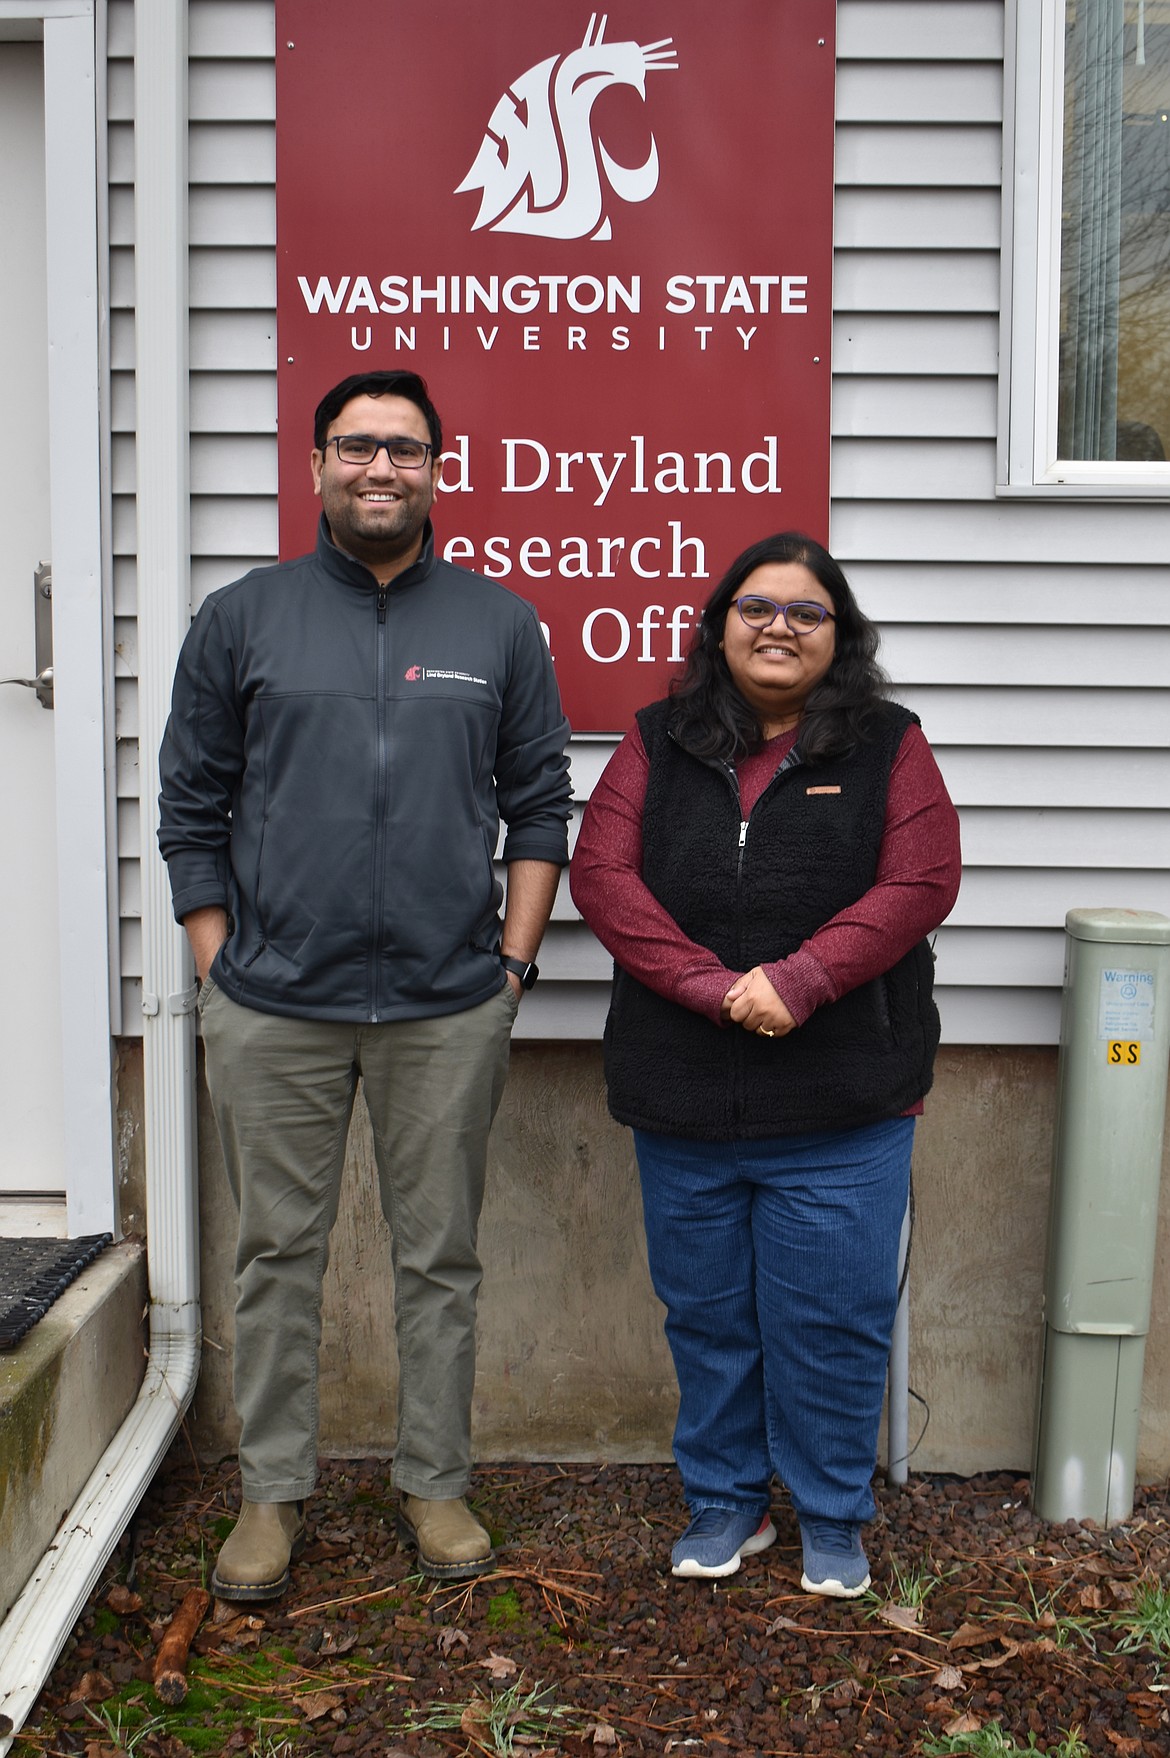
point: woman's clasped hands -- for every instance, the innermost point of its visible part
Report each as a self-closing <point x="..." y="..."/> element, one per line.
<point x="752" y="1003"/>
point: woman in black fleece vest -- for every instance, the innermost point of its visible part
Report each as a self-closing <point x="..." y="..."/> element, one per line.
<point x="764" y="857"/>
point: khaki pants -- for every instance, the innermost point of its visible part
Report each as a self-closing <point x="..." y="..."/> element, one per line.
<point x="283" y="1092"/>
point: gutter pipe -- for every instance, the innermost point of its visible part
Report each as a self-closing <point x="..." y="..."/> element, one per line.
<point x="43" y="1617"/>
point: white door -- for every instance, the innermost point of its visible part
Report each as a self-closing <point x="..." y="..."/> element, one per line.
<point x="32" y="1155"/>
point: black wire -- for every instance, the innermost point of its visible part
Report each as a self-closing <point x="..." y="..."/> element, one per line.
<point x="918" y="1399"/>
<point x="909" y="1241"/>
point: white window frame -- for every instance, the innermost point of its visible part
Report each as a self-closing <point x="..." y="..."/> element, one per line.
<point x="1027" y="462"/>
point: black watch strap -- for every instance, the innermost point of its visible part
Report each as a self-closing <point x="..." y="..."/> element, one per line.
<point x="527" y="973"/>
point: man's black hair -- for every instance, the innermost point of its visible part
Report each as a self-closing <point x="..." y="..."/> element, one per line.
<point x="377" y="384"/>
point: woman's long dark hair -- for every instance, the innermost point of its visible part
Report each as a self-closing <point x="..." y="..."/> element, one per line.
<point x="712" y="720"/>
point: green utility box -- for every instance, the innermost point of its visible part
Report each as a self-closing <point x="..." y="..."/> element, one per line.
<point x="1111" y="1107"/>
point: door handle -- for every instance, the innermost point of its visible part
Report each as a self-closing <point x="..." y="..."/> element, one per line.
<point x="43" y="625"/>
<point x="42" y="684"/>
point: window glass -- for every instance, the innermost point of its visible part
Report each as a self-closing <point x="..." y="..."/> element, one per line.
<point x="1114" y="378"/>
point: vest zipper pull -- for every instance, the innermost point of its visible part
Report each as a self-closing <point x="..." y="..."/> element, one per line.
<point x="381" y="604"/>
<point x="743" y="824"/>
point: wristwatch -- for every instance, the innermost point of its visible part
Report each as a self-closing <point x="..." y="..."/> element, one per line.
<point x="527" y="973"/>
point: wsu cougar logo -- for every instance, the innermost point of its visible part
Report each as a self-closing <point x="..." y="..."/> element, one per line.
<point x="539" y="165"/>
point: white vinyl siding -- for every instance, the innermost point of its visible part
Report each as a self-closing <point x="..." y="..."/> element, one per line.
<point x="1033" y="640"/>
<point x="1051" y="728"/>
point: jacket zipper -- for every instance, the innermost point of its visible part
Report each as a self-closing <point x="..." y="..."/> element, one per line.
<point x="378" y="874"/>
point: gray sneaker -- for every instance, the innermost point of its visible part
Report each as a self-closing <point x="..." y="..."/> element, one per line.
<point x="834" y="1562"/>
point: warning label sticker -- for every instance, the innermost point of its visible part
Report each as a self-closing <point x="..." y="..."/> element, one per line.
<point x="1126" y="1005"/>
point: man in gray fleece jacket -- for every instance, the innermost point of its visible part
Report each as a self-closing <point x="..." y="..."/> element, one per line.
<point x="346" y="733"/>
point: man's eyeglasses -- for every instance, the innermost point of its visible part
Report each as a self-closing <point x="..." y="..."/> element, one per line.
<point x="363" y="448"/>
<point x="801" y="618"/>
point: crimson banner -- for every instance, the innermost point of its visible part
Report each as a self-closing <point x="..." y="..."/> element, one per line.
<point x="605" y="241"/>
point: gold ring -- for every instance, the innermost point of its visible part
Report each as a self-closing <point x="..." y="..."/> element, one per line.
<point x="765" y="1032"/>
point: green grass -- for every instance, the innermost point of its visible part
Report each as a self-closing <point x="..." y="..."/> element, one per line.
<point x="992" y="1742"/>
<point x="913" y="1585"/>
<point x="1147" y="1622"/>
<point x="1061" y="1627"/>
<point x="503" y="1718"/>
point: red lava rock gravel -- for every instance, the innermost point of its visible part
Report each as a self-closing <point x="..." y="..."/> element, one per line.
<point x="980" y="1614"/>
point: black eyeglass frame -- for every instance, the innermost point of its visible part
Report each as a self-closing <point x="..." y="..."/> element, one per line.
<point x="782" y="610"/>
<point x="380" y="445"/>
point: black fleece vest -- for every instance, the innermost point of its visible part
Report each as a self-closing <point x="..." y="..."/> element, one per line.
<point x="753" y="896"/>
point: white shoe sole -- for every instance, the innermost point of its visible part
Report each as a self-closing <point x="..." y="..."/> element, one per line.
<point x="833" y="1589"/>
<point x="690" y="1570"/>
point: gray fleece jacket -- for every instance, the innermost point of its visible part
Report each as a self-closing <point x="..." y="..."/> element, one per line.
<point x="334" y="771"/>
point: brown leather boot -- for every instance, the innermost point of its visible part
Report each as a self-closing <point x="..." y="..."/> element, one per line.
<point x="451" y="1543"/>
<point x="253" y="1563"/>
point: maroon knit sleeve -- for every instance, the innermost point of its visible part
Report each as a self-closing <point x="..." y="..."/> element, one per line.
<point x="606" y="882"/>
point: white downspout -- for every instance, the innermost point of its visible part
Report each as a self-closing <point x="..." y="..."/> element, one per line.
<point x="40" y="1622"/>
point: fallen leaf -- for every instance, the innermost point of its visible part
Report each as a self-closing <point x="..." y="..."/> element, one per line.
<point x="963" y="1724"/>
<point x="602" y="1734"/>
<point x="843" y="1694"/>
<point x="947" y="1678"/>
<point x="903" y="1617"/>
<point x="1126" y="1743"/>
<point x="93" y="1687"/>
<point x="499" y="1666"/>
<point x="164" y="1746"/>
<point x="323" y="1551"/>
<point x="235" y="1631"/>
<point x="121" y="1600"/>
<point x="100" y="1749"/>
<point x="989" y="1662"/>
<point x="315" y="1704"/>
<point x="779" y="1624"/>
<point x="971" y="1636"/>
<point x="474" y="1719"/>
<point x="449" y="1637"/>
<point x="224" y="1612"/>
<point x="1091" y="1598"/>
<point x="338" y="1642"/>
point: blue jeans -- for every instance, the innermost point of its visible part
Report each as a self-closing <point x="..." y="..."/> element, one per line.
<point x="777" y="1262"/>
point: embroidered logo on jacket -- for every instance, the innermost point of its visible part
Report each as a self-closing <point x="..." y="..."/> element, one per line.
<point x="417" y="674"/>
<point x="540" y="162"/>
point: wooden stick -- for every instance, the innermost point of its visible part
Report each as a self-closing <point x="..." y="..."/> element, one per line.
<point x="170" y="1663"/>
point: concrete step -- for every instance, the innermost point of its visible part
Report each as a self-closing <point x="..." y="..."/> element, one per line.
<point x="64" y="1391"/>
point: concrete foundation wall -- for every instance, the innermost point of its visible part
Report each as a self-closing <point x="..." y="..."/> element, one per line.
<point x="64" y="1391"/>
<point x="573" y="1363"/>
